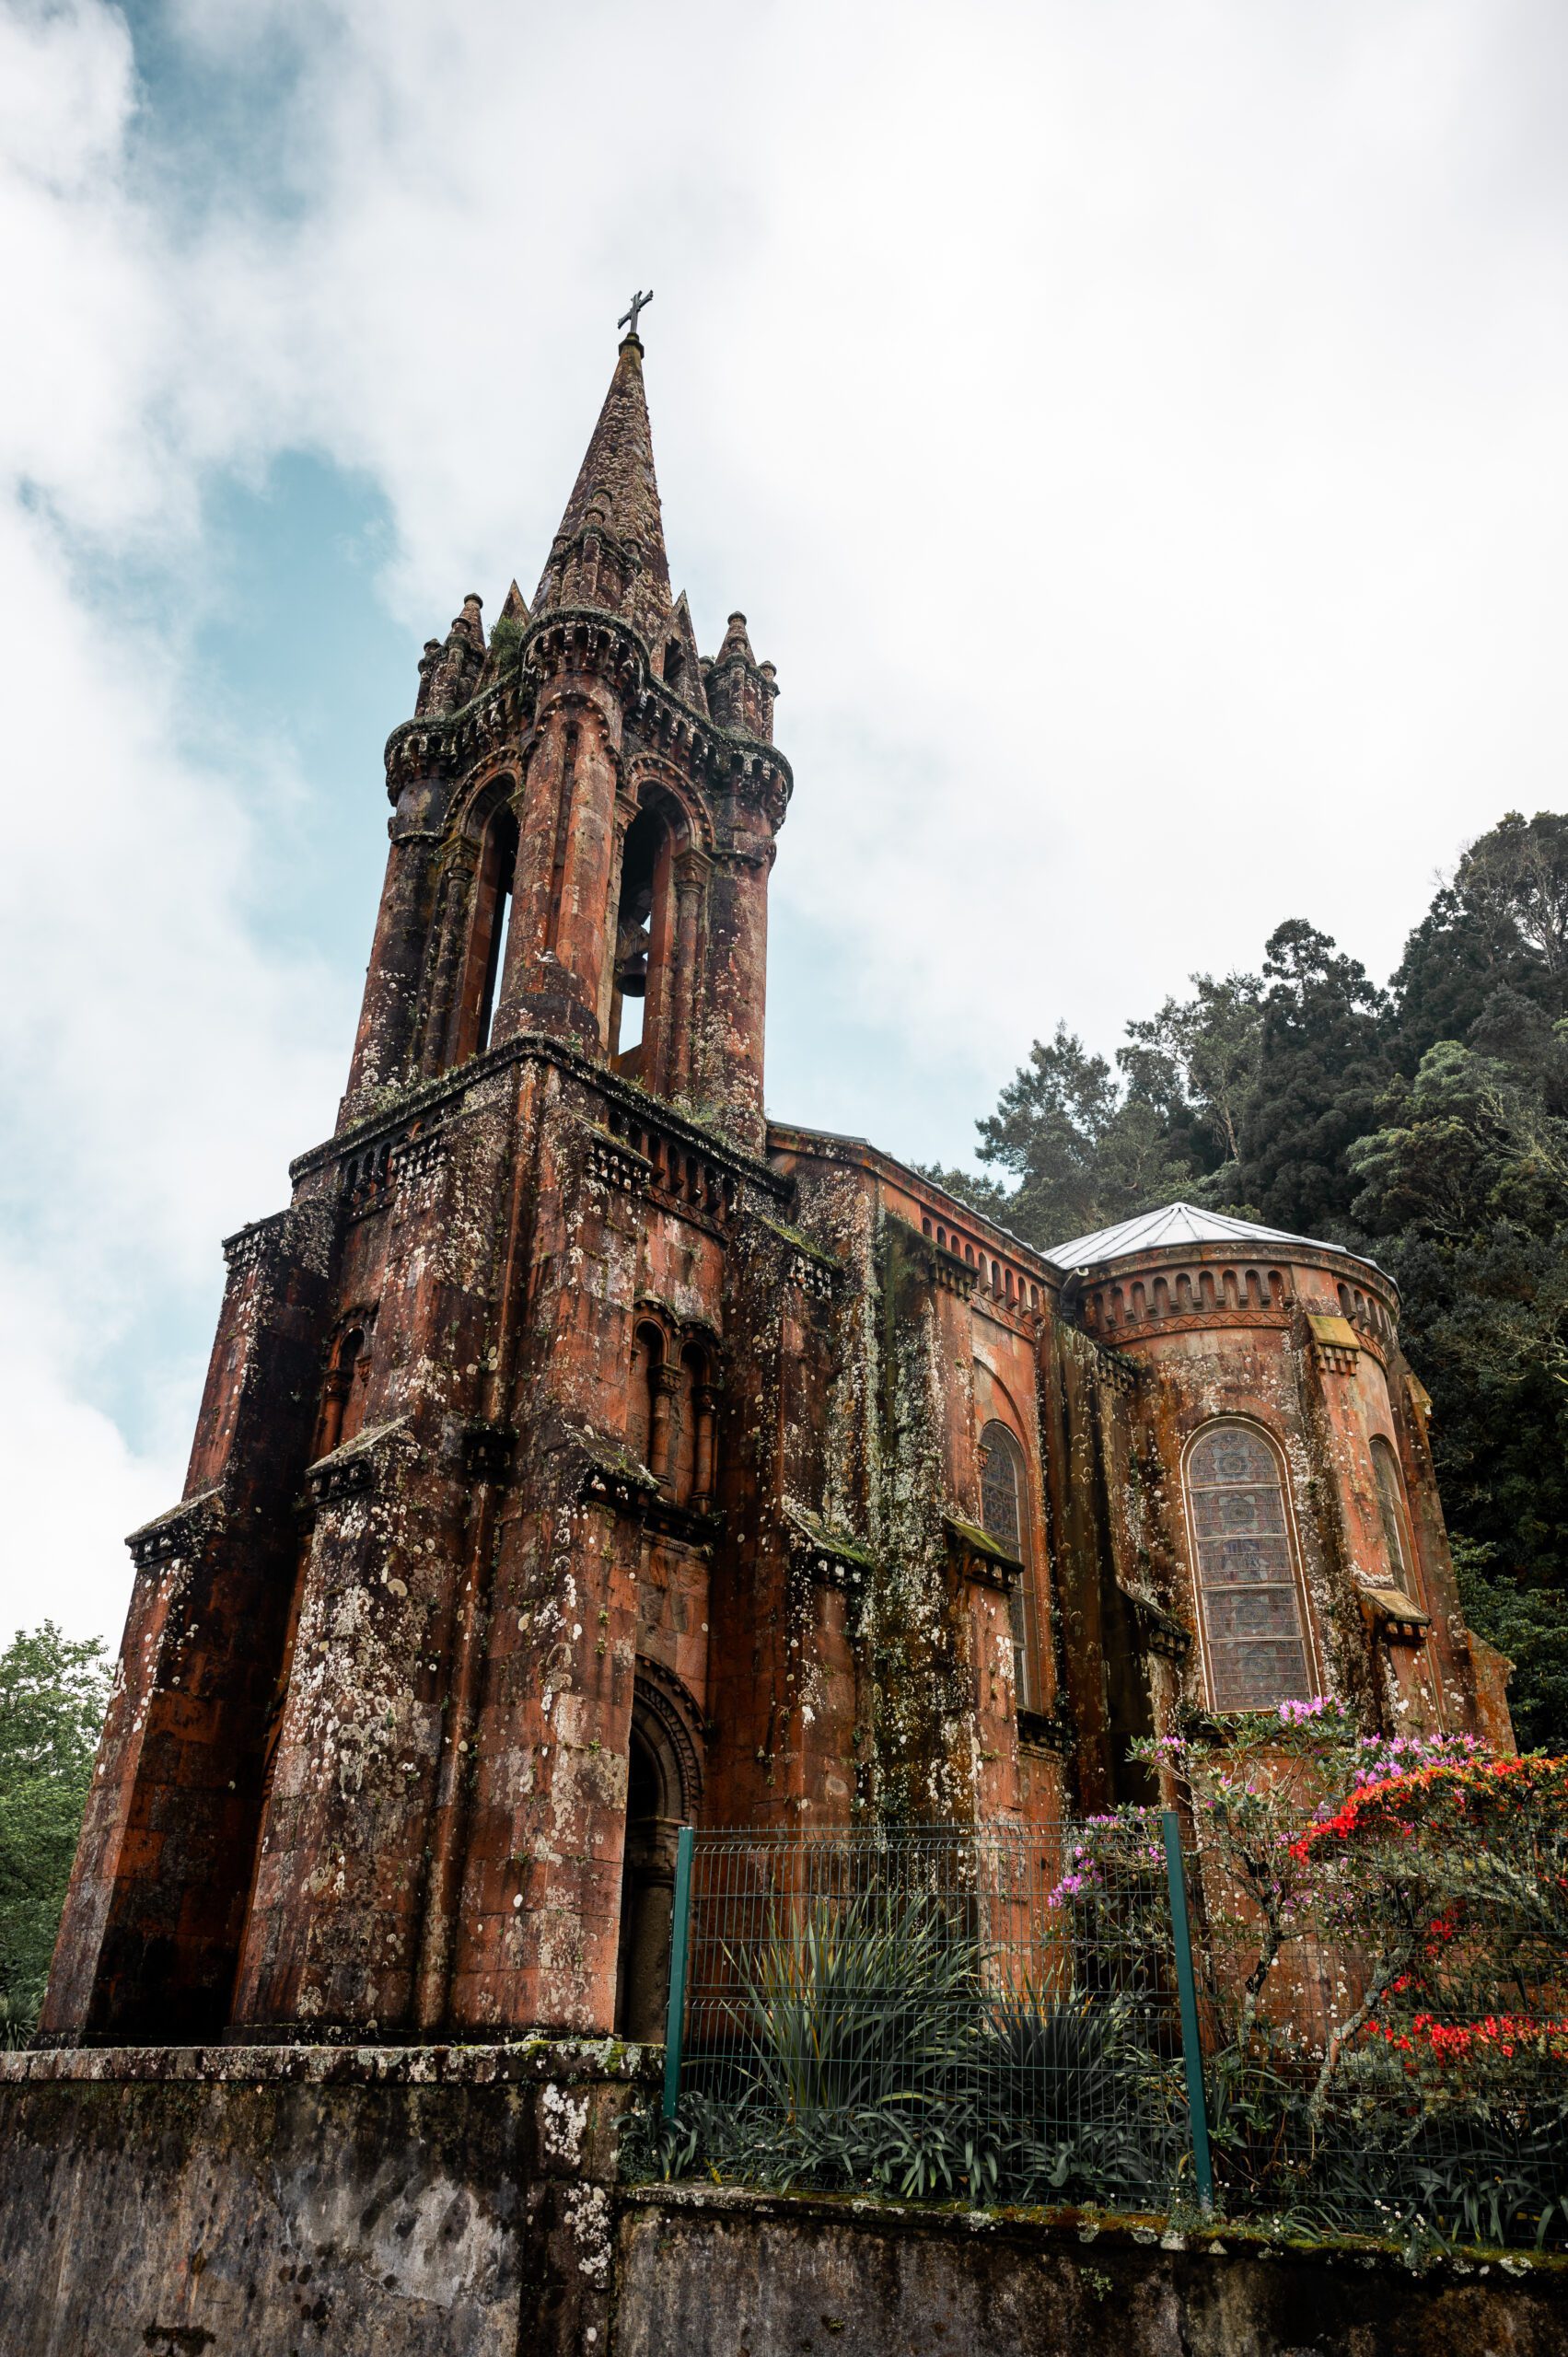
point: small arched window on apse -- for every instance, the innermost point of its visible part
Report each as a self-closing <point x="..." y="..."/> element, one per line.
<point x="489" y="925"/>
<point x="1004" y="1514"/>
<point x="1395" y="1519"/>
<point x="1250" y="1597"/>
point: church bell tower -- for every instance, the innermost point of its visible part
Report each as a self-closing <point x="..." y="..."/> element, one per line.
<point x="585" y="817"/>
<point x="414" y="1681"/>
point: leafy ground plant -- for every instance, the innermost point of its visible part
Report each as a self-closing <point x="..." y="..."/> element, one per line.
<point x="873" y="2045"/>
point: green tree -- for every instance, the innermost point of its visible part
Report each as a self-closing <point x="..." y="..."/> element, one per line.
<point x="1528" y="1624"/>
<point x="1464" y="1197"/>
<point x="1502" y="924"/>
<point x="1083" y="1152"/>
<point x="54" y="1693"/>
<point x="1196" y="1061"/>
<point x="1321" y="1071"/>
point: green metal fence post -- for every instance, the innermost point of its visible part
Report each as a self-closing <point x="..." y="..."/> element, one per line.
<point x="1192" y="2052"/>
<point x="679" y="1939"/>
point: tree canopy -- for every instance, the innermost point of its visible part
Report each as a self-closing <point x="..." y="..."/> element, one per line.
<point x="53" y="1692"/>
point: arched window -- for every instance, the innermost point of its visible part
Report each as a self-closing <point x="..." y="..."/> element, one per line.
<point x="663" y="1792"/>
<point x="691" y="1437"/>
<point x="343" y="1394"/>
<point x="648" y="1365"/>
<point x="1004" y="1511"/>
<point x="1396" y="1523"/>
<point x="675" y="666"/>
<point x="1247" y="1583"/>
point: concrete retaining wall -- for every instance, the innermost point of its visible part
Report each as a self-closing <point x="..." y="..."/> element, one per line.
<point x="460" y="2201"/>
<point x="273" y="2201"/>
<point x="705" y="2274"/>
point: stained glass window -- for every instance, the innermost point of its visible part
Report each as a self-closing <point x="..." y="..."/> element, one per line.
<point x="1245" y="1572"/>
<point x="1004" y="1516"/>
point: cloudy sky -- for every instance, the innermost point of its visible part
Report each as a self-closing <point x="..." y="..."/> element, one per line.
<point x="1135" y="428"/>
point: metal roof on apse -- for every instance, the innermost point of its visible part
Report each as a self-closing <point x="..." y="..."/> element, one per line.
<point x="1176" y="1224"/>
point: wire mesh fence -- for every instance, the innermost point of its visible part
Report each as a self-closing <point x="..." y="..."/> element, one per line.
<point x="923" y="2011"/>
<point x="1032" y="2015"/>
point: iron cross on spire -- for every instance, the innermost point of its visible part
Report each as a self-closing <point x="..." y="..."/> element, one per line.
<point x="639" y="303"/>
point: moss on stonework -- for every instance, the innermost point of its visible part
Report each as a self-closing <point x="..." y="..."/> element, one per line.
<point x="802" y="1243"/>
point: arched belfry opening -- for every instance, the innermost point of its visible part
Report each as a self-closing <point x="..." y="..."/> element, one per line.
<point x="489" y="924"/>
<point x="663" y="1791"/>
<point x="656" y="948"/>
<point x="644" y="871"/>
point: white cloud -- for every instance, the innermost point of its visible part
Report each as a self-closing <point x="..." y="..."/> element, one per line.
<point x="159" y="1063"/>
<point x="1135" y="430"/>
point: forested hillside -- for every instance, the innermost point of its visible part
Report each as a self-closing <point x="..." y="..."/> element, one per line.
<point x="1425" y="1124"/>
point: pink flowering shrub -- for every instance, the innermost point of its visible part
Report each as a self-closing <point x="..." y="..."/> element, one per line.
<point x="1348" y="1888"/>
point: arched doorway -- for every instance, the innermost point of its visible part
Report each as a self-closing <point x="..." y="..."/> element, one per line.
<point x="663" y="1784"/>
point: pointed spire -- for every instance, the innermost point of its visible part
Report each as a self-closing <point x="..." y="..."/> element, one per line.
<point x="515" y="608"/>
<point x="737" y="644"/>
<point x="681" y="666"/>
<point x="616" y="493"/>
<point x="740" y="690"/>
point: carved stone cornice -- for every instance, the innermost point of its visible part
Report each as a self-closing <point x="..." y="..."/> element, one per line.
<point x="976" y="1556"/>
<point x="251" y="1244"/>
<point x="1395" y="1616"/>
<point x="808" y="1268"/>
<point x="629" y="1106"/>
<point x="1047" y="1731"/>
<point x="358" y="1467"/>
<point x="1159" y="1631"/>
<point x="368" y="1175"/>
<point x="829" y="1558"/>
<point x="446" y="744"/>
<point x="1336" y="1344"/>
<point x="588" y="638"/>
<point x="183" y="1531"/>
<point x="612" y="1477"/>
<point x="695" y="1526"/>
<point x="616" y="1165"/>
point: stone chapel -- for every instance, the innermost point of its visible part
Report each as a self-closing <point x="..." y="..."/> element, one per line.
<point x="584" y="1455"/>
